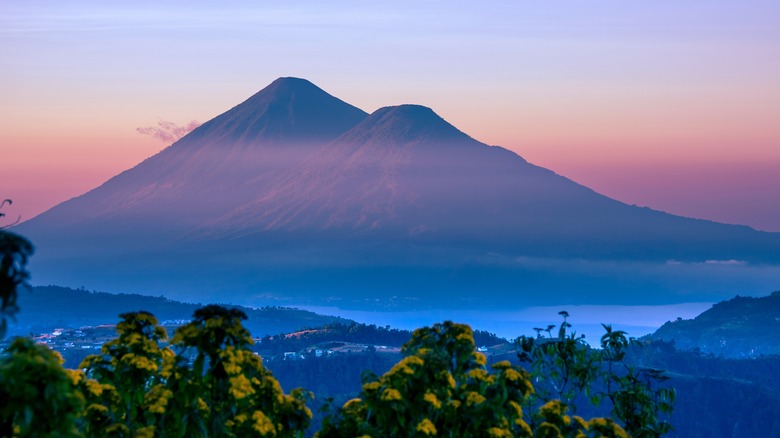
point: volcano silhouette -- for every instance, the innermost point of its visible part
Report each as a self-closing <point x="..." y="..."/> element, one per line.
<point x="296" y="196"/>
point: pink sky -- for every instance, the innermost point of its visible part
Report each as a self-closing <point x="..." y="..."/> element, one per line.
<point x="664" y="105"/>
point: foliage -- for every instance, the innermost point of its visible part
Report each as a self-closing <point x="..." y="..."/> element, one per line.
<point x="37" y="396"/>
<point x="128" y="394"/>
<point x="443" y="388"/>
<point x="563" y="366"/>
<point x="207" y="383"/>
<point x="334" y="378"/>
<point x="636" y="398"/>
<point x="210" y="383"/>
<point x="15" y="251"/>
<point x="566" y="368"/>
<point x="227" y="391"/>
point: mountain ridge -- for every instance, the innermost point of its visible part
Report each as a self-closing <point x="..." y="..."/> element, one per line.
<point x="742" y="327"/>
<point x="398" y="201"/>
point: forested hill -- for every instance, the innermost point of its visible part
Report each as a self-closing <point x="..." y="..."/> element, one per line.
<point x="48" y="307"/>
<point x="738" y="328"/>
<point x="353" y="333"/>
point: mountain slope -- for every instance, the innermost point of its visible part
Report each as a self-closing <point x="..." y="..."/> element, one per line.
<point x="296" y="195"/>
<point x="406" y="174"/>
<point x="738" y="328"/>
<point x="216" y="167"/>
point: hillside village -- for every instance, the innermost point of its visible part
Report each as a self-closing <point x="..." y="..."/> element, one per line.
<point x="74" y="344"/>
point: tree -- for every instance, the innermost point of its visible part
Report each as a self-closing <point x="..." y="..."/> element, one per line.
<point x="127" y="394"/>
<point x="634" y="392"/>
<point x="443" y="388"/>
<point x="565" y="367"/>
<point x="38" y="397"/>
<point x="227" y="391"/>
<point x="15" y="251"/>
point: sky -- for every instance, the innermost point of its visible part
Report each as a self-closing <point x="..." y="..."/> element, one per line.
<point x="668" y="104"/>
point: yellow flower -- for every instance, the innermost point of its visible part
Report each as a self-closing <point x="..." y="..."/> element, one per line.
<point x="407" y="365"/>
<point x="116" y="429"/>
<point x="202" y="406"/>
<point x="94" y="387"/>
<point x="391" y="395"/>
<point x="478" y="374"/>
<point x="432" y="399"/>
<point x="499" y="433"/>
<point x="132" y="338"/>
<point x="525" y="428"/>
<point x="548" y="430"/>
<point x="370" y="387"/>
<point x="474" y="399"/>
<point x="263" y="424"/>
<point x="607" y="427"/>
<point x="157" y="399"/>
<point x="240" y="387"/>
<point x="465" y="337"/>
<point x="480" y="358"/>
<point x="597" y="422"/>
<point x="512" y="375"/>
<point x="516" y="407"/>
<point x="450" y="380"/>
<point x="552" y="409"/>
<point x="231" y="368"/>
<point x="504" y="364"/>
<point x="96" y="408"/>
<point x="144" y="432"/>
<point x="75" y="376"/>
<point x="139" y="362"/>
<point x="273" y="385"/>
<point x="352" y="402"/>
<point x="426" y="427"/>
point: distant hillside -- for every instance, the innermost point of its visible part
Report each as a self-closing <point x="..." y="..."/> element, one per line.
<point x="47" y="307"/>
<point x="740" y="327"/>
<point x="716" y="397"/>
<point x="353" y="333"/>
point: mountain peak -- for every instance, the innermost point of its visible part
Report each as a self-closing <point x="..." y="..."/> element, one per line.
<point x="407" y="123"/>
<point x="296" y="192"/>
<point x="292" y="83"/>
<point x="409" y="113"/>
<point x="285" y="88"/>
<point x="287" y="110"/>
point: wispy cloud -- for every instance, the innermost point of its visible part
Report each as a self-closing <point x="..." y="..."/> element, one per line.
<point x="726" y="262"/>
<point x="167" y="131"/>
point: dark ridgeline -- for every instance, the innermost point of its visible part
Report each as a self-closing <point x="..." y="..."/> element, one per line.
<point x="743" y="327"/>
<point x="297" y="195"/>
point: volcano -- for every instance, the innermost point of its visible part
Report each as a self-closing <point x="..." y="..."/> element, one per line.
<point x="295" y="196"/>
